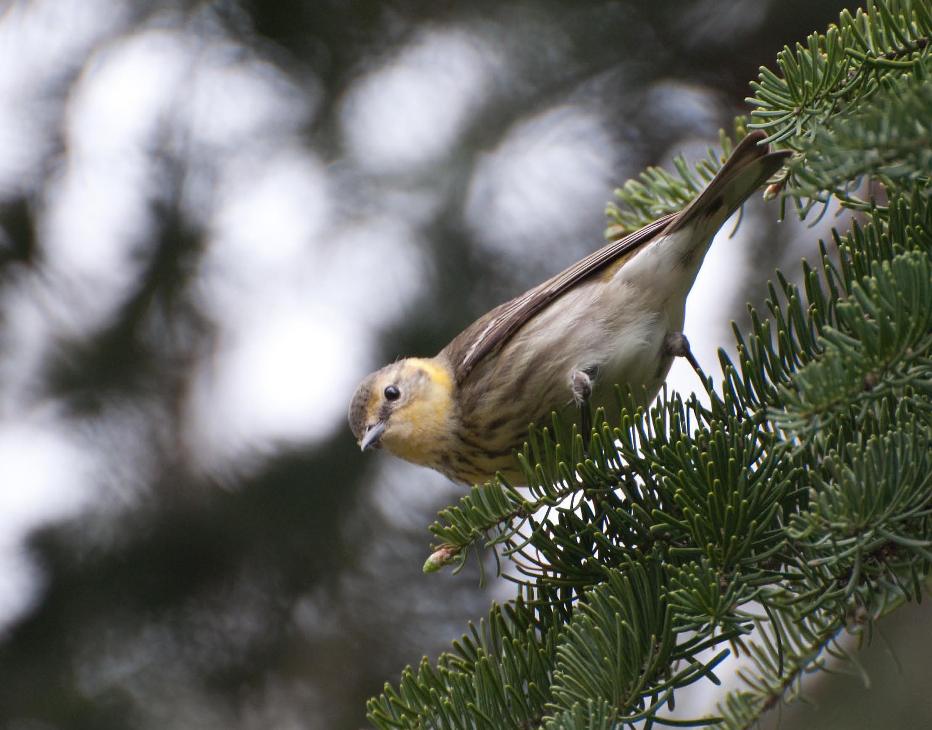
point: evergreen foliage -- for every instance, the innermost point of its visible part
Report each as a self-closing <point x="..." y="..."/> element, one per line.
<point x="794" y="507"/>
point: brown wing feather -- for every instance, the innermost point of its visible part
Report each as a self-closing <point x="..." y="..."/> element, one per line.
<point x="489" y="332"/>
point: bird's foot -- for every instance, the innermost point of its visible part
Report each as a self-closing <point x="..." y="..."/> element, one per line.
<point x="581" y="385"/>
<point x="676" y="345"/>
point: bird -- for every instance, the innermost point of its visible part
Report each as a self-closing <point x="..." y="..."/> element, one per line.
<point x="614" y="317"/>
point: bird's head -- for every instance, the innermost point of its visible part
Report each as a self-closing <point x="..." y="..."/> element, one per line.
<point x="407" y="407"/>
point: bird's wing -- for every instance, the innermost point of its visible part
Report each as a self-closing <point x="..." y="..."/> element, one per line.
<point x="489" y="332"/>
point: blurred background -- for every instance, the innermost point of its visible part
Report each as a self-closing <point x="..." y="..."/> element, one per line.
<point x="215" y="218"/>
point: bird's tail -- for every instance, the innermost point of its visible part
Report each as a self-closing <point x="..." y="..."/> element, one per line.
<point x="748" y="167"/>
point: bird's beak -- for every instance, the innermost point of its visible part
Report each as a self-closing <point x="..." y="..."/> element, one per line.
<point x="371" y="438"/>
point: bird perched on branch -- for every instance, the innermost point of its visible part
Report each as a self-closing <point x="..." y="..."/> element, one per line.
<point x="616" y="316"/>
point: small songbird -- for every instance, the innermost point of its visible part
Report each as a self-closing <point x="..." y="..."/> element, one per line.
<point x="616" y="316"/>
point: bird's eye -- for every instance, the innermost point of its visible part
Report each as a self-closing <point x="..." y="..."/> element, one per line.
<point x="392" y="392"/>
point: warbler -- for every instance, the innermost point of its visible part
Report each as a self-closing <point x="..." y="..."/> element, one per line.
<point x="616" y="316"/>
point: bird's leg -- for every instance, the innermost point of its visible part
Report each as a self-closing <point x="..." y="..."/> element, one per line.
<point x="676" y="345"/>
<point x="581" y="383"/>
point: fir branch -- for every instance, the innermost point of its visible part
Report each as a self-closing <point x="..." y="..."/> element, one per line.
<point x="822" y="78"/>
<point x="877" y="337"/>
<point x="887" y="141"/>
<point x="788" y="645"/>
